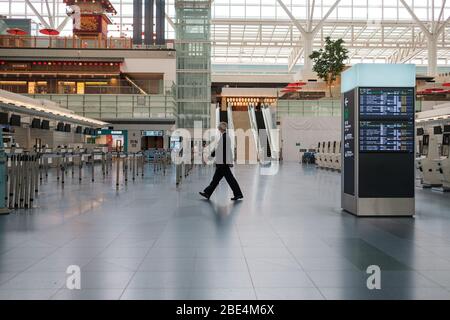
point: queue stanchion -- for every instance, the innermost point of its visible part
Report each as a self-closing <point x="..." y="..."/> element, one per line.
<point x="12" y="181"/>
<point x="30" y="191"/>
<point x="7" y="178"/>
<point x="92" y="167"/>
<point x="125" y="167"/>
<point x="107" y="163"/>
<point x="62" y="168"/>
<point x="17" y="182"/>
<point x="103" y="164"/>
<point x="46" y="164"/>
<point x="80" y="162"/>
<point x="26" y="182"/>
<point x="57" y="167"/>
<point x="65" y="163"/>
<point x="9" y="173"/>
<point x="36" y="174"/>
<point x="133" y="164"/>
<point x="23" y="181"/>
<point x="117" y="170"/>
<point x="164" y="162"/>
<point x="41" y="161"/>
<point x="141" y="163"/>
<point x="29" y="186"/>
<point x="130" y="163"/>
<point x="73" y="164"/>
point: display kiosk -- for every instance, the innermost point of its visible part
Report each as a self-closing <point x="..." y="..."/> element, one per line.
<point x="378" y="112"/>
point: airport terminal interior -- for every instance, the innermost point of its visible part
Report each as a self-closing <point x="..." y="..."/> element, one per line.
<point x="337" y="115"/>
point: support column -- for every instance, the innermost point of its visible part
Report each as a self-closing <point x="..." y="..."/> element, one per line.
<point x="307" y="71"/>
<point x="137" y="22"/>
<point x="148" y="22"/>
<point x="432" y="55"/>
<point x="160" y="22"/>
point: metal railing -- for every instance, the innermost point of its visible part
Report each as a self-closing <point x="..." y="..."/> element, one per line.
<point x="113" y="106"/>
<point x="89" y="86"/>
<point x="11" y="41"/>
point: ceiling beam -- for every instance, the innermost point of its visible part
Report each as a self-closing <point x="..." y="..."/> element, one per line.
<point x="37" y="14"/>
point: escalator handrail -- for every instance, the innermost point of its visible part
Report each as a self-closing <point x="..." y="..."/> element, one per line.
<point x="269" y="126"/>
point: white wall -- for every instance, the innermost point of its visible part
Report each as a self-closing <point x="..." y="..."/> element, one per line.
<point x="153" y="65"/>
<point x="307" y="131"/>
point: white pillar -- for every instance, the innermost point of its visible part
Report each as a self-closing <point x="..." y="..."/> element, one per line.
<point x="432" y="55"/>
<point x="307" y="71"/>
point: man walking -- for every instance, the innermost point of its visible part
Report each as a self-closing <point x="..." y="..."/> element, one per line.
<point x="224" y="160"/>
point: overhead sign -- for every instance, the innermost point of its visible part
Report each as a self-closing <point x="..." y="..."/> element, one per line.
<point x="110" y="132"/>
<point x="152" y="133"/>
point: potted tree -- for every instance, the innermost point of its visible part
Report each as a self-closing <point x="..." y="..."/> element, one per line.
<point x="329" y="61"/>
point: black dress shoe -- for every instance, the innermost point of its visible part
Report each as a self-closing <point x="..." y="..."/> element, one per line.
<point x="237" y="197"/>
<point x="203" y="194"/>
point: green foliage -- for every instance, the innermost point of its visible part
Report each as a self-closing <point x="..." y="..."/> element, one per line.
<point x="329" y="61"/>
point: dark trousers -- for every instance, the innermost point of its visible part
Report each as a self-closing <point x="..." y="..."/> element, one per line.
<point x="223" y="171"/>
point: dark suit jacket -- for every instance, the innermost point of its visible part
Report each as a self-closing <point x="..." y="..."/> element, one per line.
<point x="223" y="152"/>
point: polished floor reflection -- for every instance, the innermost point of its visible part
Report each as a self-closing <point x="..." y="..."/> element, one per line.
<point x="288" y="239"/>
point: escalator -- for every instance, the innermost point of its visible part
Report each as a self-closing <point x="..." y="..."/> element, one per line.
<point x="272" y="132"/>
<point x="265" y="134"/>
<point x="254" y="128"/>
<point x="262" y="128"/>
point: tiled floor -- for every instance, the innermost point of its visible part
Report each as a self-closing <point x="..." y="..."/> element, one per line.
<point x="288" y="239"/>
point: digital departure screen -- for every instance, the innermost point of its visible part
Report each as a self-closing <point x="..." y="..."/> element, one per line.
<point x="374" y="102"/>
<point x="386" y="120"/>
<point x="386" y="136"/>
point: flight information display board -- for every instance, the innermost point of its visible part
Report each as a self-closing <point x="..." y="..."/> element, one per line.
<point x="386" y="102"/>
<point x="386" y="120"/>
<point x="386" y="136"/>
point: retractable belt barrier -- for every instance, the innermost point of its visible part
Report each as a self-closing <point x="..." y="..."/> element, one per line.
<point x="22" y="180"/>
<point x="26" y="171"/>
<point x="129" y="164"/>
<point x="161" y="159"/>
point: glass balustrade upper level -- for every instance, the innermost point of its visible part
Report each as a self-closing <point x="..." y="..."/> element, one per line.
<point x="74" y="42"/>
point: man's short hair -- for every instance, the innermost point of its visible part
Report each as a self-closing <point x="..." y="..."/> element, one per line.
<point x="223" y="126"/>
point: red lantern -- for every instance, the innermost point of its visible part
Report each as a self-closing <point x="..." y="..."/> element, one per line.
<point x="16" y="31"/>
<point x="49" y="32"/>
